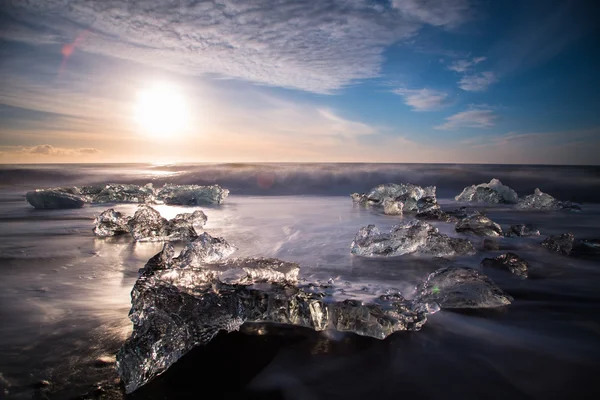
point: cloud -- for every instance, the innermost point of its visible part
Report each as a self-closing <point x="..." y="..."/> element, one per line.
<point x="476" y="117"/>
<point x="448" y="13"/>
<point x="465" y="65"/>
<point x="317" y="46"/>
<point x="477" y="82"/>
<point x="48" y="150"/>
<point x="424" y="99"/>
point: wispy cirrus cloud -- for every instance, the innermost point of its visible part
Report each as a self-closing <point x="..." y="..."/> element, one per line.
<point x="424" y="99"/>
<point x="49" y="151"/>
<point x="466" y="64"/>
<point x="477" y="82"/>
<point x="475" y="117"/>
<point x="317" y="46"/>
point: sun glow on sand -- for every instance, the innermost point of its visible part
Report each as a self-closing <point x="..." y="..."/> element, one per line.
<point x="161" y="110"/>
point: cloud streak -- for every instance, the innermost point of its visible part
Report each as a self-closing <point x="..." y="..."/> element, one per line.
<point x="424" y="99"/>
<point x="476" y="117"/>
<point x="317" y="46"/>
<point x="477" y="82"/>
<point x="465" y="65"/>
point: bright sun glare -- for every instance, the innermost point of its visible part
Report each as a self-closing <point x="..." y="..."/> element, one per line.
<point x="161" y="110"/>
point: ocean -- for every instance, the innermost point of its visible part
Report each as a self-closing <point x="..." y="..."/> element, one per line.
<point x="65" y="294"/>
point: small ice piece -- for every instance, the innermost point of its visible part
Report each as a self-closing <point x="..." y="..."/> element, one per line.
<point x="461" y="287"/>
<point x="493" y="192"/>
<point x="429" y="209"/>
<point x="124" y="193"/>
<point x="560" y="243"/>
<point x="392" y="207"/>
<point x="204" y="249"/>
<point x="111" y="223"/>
<point x="522" y="230"/>
<point x="192" y="195"/>
<point x="478" y="224"/>
<point x="175" y="309"/>
<point x="161" y="261"/>
<point x="54" y="198"/>
<point x="410" y="237"/>
<point x="407" y="193"/>
<point x="490" y="244"/>
<point x="508" y="262"/>
<point x="148" y="225"/>
<point x="544" y="202"/>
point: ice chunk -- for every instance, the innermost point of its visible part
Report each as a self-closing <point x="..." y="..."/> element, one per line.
<point x="406" y="193"/>
<point x="522" y="230"/>
<point x="175" y="309"/>
<point x="460" y="287"/>
<point x="148" y="225"/>
<point x="560" y="243"/>
<point x="54" y="198"/>
<point x="204" y="249"/>
<point x="111" y="223"/>
<point x="429" y="209"/>
<point x="392" y="207"/>
<point x="543" y="201"/>
<point x="492" y="192"/>
<point x="508" y="262"/>
<point x="192" y="195"/>
<point x="478" y="224"/>
<point x="410" y="237"/>
<point x="123" y="193"/>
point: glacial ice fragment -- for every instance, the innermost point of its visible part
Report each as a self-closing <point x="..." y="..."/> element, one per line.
<point x="461" y="287"/>
<point x="192" y="195"/>
<point x="493" y="192"/>
<point x="124" y="193"/>
<point x="508" y="262"/>
<point x="409" y="237"/>
<point x="204" y="249"/>
<point x="407" y="193"/>
<point x="148" y="225"/>
<point x="176" y="309"/>
<point x="392" y="207"/>
<point x="560" y="243"/>
<point x="478" y="224"/>
<point x="522" y="230"/>
<point x="54" y="198"/>
<point x="111" y="223"/>
<point x="544" y="202"/>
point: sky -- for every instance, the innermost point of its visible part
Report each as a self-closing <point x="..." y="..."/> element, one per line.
<point x="426" y="81"/>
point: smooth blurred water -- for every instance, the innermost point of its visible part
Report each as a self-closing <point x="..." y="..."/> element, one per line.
<point x="64" y="298"/>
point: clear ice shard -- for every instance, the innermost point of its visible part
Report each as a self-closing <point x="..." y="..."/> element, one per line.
<point x="543" y="201"/>
<point x="148" y="225"/>
<point x="54" y="198"/>
<point x="77" y="196"/>
<point x="204" y="249"/>
<point x="508" y="262"/>
<point x="522" y="230"/>
<point x="406" y="193"/>
<point x="461" y="287"/>
<point x="177" y="306"/>
<point x="411" y="237"/>
<point x="111" y="223"/>
<point x="493" y="192"/>
<point x="478" y="224"/>
<point x="560" y="243"/>
<point x="192" y="195"/>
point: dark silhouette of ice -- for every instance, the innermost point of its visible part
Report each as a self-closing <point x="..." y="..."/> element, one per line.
<point x="77" y="196"/>
<point x="560" y="243"/>
<point x="493" y="192"/>
<point x="148" y="225"/>
<point x="54" y="198"/>
<point x="509" y="262"/>
<point x="460" y="287"/>
<point x="411" y="237"/>
<point x="543" y="201"/>
<point x="522" y="230"/>
<point x="478" y="224"/>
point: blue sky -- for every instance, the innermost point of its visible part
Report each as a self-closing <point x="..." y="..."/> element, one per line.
<point x="460" y="81"/>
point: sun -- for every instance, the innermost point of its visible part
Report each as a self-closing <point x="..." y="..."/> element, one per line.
<point x="160" y="110"/>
